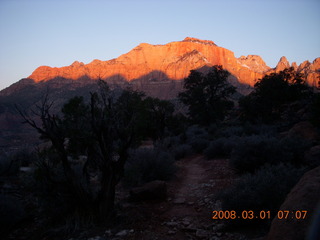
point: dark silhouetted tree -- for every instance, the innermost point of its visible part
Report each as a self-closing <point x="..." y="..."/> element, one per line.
<point x="159" y="117"/>
<point x="207" y="95"/>
<point x="271" y="92"/>
<point x="101" y="132"/>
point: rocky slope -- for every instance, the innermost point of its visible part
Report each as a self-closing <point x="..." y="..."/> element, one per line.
<point x="173" y="61"/>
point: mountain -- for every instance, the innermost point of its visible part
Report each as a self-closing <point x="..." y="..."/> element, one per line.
<point x="171" y="61"/>
<point x="158" y="70"/>
<point x="148" y="65"/>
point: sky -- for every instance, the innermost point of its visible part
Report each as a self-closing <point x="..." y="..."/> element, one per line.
<point x="58" y="32"/>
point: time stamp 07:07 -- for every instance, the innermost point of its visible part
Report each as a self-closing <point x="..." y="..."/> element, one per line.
<point x="249" y="214"/>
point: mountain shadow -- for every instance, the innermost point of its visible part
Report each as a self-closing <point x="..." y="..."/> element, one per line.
<point x="26" y="94"/>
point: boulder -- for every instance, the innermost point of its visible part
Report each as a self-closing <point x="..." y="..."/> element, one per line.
<point x="304" y="196"/>
<point x="155" y="190"/>
<point x="304" y="130"/>
<point x="312" y="157"/>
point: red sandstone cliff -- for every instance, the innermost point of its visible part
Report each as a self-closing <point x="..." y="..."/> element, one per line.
<point x="173" y="61"/>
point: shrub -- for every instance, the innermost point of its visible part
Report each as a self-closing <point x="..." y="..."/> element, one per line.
<point x="255" y="151"/>
<point x="259" y="129"/>
<point x="11" y="212"/>
<point x="145" y="165"/>
<point x="197" y="138"/>
<point x="23" y="157"/>
<point x="294" y="149"/>
<point x="196" y="131"/>
<point x="182" y="151"/>
<point x="199" y="144"/>
<point x="231" y="131"/>
<point x="57" y="199"/>
<point x="168" y="143"/>
<point x="221" y="147"/>
<point x="8" y="167"/>
<point x="266" y="189"/>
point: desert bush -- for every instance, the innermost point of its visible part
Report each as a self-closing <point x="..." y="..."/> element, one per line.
<point x="50" y="186"/>
<point x="231" y="131"/>
<point x="259" y="129"/>
<point x="197" y="137"/>
<point x="266" y="189"/>
<point x="56" y="198"/>
<point x="199" y="144"/>
<point x="23" y="157"/>
<point x="145" y="165"/>
<point x="253" y="152"/>
<point x="294" y="149"/>
<point x="195" y="131"/>
<point x="221" y="147"/>
<point x="8" y="167"/>
<point x="182" y="151"/>
<point x="11" y="213"/>
<point x="168" y="143"/>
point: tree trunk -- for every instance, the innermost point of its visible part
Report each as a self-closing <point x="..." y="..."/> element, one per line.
<point x="106" y="196"/>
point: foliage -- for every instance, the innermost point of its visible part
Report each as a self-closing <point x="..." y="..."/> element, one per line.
<point x="226" y="138"/>
<point x="90" y="144"/>
<point x="181" y="151"/>
<point x="199" y="144"/>
<point x="75" y="123"/>
<point x="207" y="95"/>
<point x="145" y="165"/>
<point x="270" y="93"/>
<point x="265" y="189"/>
<point x="221" y="147"/>
<point x="159" y="117"/>
<point x="251" y="153"/>
<point x="11" y="212"/>
<point x="197" y="137"/>
<point x="10" y="165"/>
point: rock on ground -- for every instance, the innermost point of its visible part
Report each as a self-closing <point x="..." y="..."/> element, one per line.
<point x="304" y="196"/>
<point x="155" y="190"/>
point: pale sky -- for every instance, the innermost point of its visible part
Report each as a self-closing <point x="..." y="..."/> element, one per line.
<point x="57" y="33"/>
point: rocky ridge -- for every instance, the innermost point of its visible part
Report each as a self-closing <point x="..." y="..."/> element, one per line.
<point x="173" y="61"/>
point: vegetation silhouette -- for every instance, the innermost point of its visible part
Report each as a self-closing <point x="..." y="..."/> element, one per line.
<point x="271" y="92"/>
<point x="207" y="95"/>
<point x="97" y="137"/>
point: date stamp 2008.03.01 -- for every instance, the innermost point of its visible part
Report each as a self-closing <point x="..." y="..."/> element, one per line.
<point x="249" y="214"/>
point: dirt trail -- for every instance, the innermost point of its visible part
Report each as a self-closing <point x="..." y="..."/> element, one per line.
<point x="191" y="199"/>
<point x="193" y="173"/>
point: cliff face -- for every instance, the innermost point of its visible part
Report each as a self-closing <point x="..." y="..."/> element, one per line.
<point x="311" y="71"/>
<point x="173" y="61"/>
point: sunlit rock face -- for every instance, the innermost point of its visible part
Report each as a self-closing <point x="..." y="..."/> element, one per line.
<point x="282" y="64"/>
<point x="172" y="61"/>
<point x="311" y="71"/>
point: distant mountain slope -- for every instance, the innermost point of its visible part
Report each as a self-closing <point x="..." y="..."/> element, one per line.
<point x="172" y="61"/>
